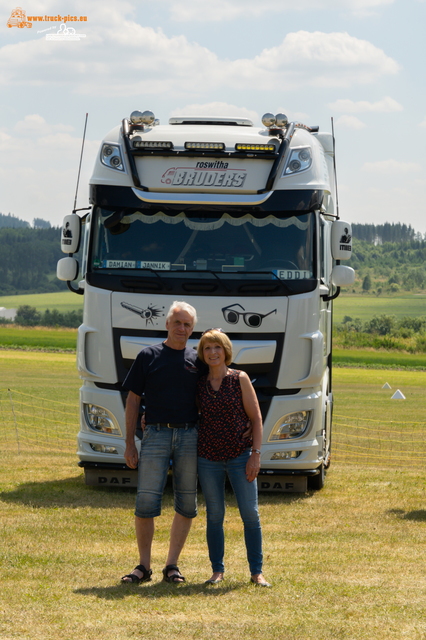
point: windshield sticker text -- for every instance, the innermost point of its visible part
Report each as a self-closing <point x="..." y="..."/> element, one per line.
<point x="289" y="274"/>
<point x="158" y="266"/>
<point x="119" y="264"/>
<point x="204" y="176"/>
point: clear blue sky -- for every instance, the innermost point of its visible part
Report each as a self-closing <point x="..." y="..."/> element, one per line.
<point x="358" y="61"/>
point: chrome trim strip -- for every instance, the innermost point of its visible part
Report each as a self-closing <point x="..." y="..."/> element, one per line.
<point x="201" y="198"/>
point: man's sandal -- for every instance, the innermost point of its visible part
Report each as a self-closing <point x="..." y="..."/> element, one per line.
<point x="176" y="578"/>
<point x="134" y="579"/>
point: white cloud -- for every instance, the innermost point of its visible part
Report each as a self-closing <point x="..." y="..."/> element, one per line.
<point x="386" y="167"/>
<point x="217" y="109"/>
<point x="35" y="124"/>
<point x="128" y="59"/>
<point x="45" y="159"/>
<point x="386" y="105"/>
<point x="423" y="123"/>
<point x="350" y="122"/>
<point x="219" y="10"/>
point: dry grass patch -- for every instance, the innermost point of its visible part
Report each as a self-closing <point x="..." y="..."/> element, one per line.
<point x="346" y="562"/>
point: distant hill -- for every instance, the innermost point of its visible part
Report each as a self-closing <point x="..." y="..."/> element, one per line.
<point x="11" y="222"/>
<point x="28" y="260"/>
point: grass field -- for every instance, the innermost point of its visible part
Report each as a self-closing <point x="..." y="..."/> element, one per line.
<point x="346" y="562"/>
<point x="38" y="337"/>
<point x="378" y="359"/>
<point x="63" y="301"/>
<point x="365" y="306"/>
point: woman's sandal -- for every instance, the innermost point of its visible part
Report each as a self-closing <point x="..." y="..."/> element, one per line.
<point x="176" y="578"/>
<point x="134" y="579"/>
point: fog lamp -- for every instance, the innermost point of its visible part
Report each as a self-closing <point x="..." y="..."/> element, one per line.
<point x="102" y="448"/>
<point x="285" y="455"/>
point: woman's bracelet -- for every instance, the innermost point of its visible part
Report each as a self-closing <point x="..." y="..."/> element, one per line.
<point x="255" y="451"/>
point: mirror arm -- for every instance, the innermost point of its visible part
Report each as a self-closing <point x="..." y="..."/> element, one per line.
<point x="71" y="288"/>
<point x="333" y="297"/>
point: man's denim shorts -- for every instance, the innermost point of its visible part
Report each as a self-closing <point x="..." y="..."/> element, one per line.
<point x="159" y="446"/>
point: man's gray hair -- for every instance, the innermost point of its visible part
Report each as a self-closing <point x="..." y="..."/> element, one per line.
<point x="183" y="306"/>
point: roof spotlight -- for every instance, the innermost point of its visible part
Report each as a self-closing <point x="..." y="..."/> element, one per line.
<point x="268" y="120"/>
<point x="147" y="117"/>
<point x="281" y="120"/>
<point x="136" y="117"/>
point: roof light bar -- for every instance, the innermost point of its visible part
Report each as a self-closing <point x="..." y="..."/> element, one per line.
<point x="152" y="144"/>
<point x="265" y="148"/>
<point x="216" y="146"/>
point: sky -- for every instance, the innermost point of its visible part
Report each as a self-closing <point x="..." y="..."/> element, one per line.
<point x="360" y="62"/>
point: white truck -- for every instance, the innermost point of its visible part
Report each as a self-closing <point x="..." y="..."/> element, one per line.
<point x="242" y="223"/>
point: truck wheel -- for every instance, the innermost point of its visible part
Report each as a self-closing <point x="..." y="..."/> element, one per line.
<point x="315" y="483"/>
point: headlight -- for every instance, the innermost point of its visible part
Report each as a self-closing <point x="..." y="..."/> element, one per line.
<point x="111" y="157"/>
<point x="293" y="425"/>
<point x="300" y="159"/>
<point x="101" y="420"/>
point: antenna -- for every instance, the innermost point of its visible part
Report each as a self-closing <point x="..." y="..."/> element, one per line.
<point x="79" y="168"/>
<point x="334" y="165"/>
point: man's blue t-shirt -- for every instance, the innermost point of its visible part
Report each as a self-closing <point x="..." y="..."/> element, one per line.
<point x="168" y="378"/>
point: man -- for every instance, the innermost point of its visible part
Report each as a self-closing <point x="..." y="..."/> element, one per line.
<point x="167" y="373"/>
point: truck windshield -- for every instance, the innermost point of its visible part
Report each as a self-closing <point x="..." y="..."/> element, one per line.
<point x="209" y="244"/>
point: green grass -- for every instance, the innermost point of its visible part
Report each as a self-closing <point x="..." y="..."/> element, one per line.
<point x="346" y="563"/>
<point x="378" y="359"/>
<point x="63" y="301"/>
<point x="365" y="306"/>
<point x="38" y="338"/>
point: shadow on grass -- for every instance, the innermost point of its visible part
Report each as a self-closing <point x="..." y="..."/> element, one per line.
<point x="73" y="493"/>
<point x="418" y="515"/>
<point x="161" y="590"/>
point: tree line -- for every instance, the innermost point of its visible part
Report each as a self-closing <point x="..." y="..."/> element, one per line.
<point x="28" y="316"/>
<point x="388" y="232"/>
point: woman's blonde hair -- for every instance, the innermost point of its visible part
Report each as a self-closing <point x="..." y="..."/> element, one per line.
<point x="218" y="336"/>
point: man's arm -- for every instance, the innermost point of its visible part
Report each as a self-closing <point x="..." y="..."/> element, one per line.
<point x="132" y="413"/>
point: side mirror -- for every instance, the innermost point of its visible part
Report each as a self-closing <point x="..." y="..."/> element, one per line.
<point x="341" y="240"/>
<point x="342" y="276"/>
<point x="71" y="234"/>
<point x="67" y="269"/>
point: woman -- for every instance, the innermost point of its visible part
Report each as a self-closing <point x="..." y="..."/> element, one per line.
<point x="227" y="401"/>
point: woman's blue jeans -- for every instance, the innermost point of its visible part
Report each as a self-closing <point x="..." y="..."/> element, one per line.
<point x="212" y="475"/>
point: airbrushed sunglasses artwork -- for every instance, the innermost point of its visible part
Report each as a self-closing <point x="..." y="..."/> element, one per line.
<point x="233" y="315"/>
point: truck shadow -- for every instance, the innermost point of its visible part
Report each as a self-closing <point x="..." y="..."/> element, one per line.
<point x="73" y="493"/>
<point x="418" y="515"/>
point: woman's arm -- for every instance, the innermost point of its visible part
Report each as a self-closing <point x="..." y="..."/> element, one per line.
<point x="252" y="409"/>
